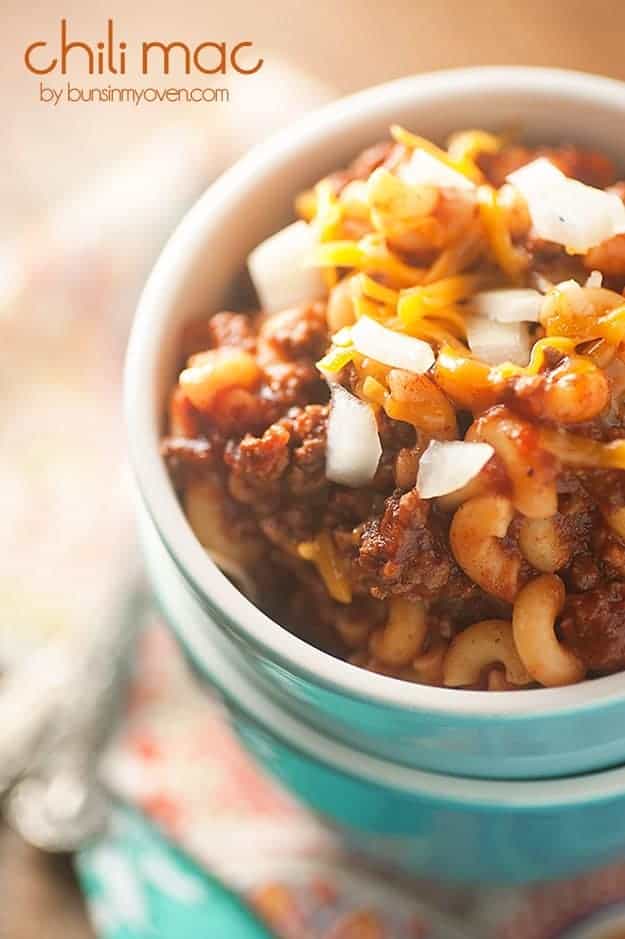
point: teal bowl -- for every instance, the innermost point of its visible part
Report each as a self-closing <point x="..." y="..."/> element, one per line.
<point x="445" y="827"/>
<point x="508" y="735"/>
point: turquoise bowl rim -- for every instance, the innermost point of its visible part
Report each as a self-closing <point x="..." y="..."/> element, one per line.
<point x="258" y="709"/>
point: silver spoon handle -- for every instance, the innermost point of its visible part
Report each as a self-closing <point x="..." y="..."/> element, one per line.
<point x="56" y="714"/>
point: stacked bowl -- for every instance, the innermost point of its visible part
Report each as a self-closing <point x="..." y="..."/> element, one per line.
<point x="465" y="785"/>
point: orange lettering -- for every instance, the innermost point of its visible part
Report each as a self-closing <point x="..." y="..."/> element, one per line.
<point x="166" y="50"/>
<point x="239" y="68"/>
<point x="221" y="67"/>
<point x="29" y="64"/>
<point x="68" y="46"/>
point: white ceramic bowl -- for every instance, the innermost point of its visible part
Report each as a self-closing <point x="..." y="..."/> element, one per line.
<point x="532" y="733"/>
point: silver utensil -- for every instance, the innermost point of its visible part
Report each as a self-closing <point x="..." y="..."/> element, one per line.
<point x="56" y="715"/>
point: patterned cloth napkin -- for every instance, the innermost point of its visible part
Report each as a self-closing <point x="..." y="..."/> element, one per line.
<point x="177" y="760"/>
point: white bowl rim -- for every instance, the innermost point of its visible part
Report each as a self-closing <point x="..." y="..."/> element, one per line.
<point x="273" y="640"/>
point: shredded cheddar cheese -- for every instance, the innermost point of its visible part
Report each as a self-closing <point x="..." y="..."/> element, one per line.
<point x="413" y="142"/>
<point x="417" y="302"/>
<point x="466" y="145"/>
<point x="498" y="235"/>
<point x="416" y="254"/>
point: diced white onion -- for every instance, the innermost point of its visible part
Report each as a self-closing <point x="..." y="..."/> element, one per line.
<point x="449" y="465"/>
<point x="495" y="343"/>
<point x="568" y="286"/>
<point x="566" y="211"/>
<point x="594" y="279"/>
<point x="390" y="347"/>
<point x="535" y="176"/>
<point x="279" y="272"/>
<point x="509" y="306"/>
<point x="353" y="449"/>
<point x="423" y="169"/>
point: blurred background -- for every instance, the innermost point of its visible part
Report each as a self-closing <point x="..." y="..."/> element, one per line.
<point x="89" y="193"/>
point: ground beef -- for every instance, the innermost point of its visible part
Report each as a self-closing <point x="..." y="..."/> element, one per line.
<point x="280" y="475"/>
<point x="293" y="449"/>
<point x="577" y="512"/>
<point x="223" y="329"/>
<point x="583" y="573"/>
<point x="260" y="459"/>
<point x="290" y="344"/>
<point x="605" y="487"/>
<point x="576" y="520"/>
<point x="597" y="553"/>
<point x="287" y="346"/>
<point x="308" y="429"/>
<point x="289" y="385"/>
<point x="610" y="552"/>
<point x="346" y="509"/>
<point x="187" y="458"/>
<point x="593" y="625"/>
<point x="403" y="552"/>
<point x="231" y="329"/>
<point x="300" y="333"/>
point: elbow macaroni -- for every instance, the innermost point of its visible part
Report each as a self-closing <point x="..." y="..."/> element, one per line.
<point x="532" y="471"/>
<point x="427" y="668"/>
<point x="533" y="621"/>
<point x="543" y="544"/>
<point x="575" y="391"/>
<point x="215" y="371"/>
<point x="232" y="554"/>
<point x="479" y="646"/>
<point x="475" y="536"/>
<point x="401" y="638"/>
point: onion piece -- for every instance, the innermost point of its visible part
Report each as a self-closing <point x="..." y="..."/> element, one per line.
<point x="568" y="286"/>
<point x="353" y="449"/>
<point x="279" y="271"/>
<point x="495" y="343"/>
<point x="594" y="279"/>
<point x="566" y="211"/>
<point x="509" y="305"/>
<point x="423" y="169"/>
<point x="390" y="347"/>
<point x="449" y="465"/>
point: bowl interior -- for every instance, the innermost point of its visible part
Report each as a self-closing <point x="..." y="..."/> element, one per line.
<point x="200" y="270"/>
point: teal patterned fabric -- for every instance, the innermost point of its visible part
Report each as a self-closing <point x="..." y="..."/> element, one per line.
<point x="138" y="886"/>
